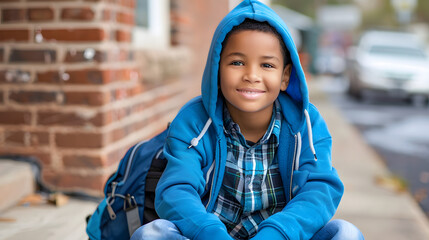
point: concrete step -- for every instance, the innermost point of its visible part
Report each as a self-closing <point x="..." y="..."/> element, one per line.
<point x="16" y="182"/>
<point x="47" y="221"/>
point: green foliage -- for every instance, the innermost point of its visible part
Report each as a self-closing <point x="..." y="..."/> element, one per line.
<point x="422" y="10"/>
<point x="306" y="7"/>
<point x="381" y="16"/>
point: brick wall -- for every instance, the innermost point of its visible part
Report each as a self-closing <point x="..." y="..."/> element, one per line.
<point x="193" y="24"/>
<point x="72" y="93"/>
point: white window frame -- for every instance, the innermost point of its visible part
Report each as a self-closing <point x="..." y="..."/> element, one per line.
<point x="157" y="34"/>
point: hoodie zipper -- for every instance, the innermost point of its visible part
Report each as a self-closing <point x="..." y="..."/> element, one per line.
<point x="211" y="186"/>
<point x="293" y="166"/>
<point x="213" y="178"/>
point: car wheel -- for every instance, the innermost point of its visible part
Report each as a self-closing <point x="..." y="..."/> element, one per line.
<point x="419" y="100"/>
<point x="354" y="91"/>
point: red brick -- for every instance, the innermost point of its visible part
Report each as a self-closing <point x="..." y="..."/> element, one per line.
<point x="92" y="98"/>
<point x="49" y="77"/>
<point x="125" y="18"/>
<point x="75" y="35"/>
<point x="27" y="138"/>
<point x="14" y="35"/>
<point x="123" y="36"/>
<point x="128" y="3"/>
<point x="15" y="117"/>
<point x="121" y="55"/>
<point x="53" y="0"/>
<point x="83" y="14"/>
<point x="123" y="74"/>
<point x="118" y="134"/>
<point x="43" y="158"/>
<point x="118" y="114"/>
<point x="13" y="15"/>
<point x="79" y="140"/>
<point x="136" y="90"/>
<point x="84" y="161"/>
<point x="57" y="118"/>
<point x="123" y="131"/>
<point x="47" y="56"/>
<point x="82" y="56"/>
<point x="33" y="97"/>
<point x="72" y="181"/>
<point x="85" y="76"/>
<point x="115" y="156"/>
<point x="40" y="14"/>
<point x="108" y="15"/>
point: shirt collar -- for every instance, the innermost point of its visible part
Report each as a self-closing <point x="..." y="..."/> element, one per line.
<point x="233" y="130"/>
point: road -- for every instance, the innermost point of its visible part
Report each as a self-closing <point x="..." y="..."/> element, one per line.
<point x="397" y="130"/>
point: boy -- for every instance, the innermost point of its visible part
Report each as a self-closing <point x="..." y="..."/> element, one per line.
<point x="242" y="162"/>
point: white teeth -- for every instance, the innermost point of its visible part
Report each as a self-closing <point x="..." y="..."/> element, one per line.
<point x="249" y="92"/>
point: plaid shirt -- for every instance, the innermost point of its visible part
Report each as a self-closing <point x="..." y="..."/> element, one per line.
<point x="252" y="188"/>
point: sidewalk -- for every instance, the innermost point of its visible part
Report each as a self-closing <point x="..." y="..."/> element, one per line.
<point x="379" y="211"/>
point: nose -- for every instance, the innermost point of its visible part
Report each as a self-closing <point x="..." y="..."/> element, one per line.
<point x="252" y="75"/>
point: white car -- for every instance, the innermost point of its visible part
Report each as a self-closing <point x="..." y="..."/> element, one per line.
<point x="391" y="62"/>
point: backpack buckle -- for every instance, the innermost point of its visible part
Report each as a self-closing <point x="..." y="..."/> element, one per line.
<point x="129" y="202"/>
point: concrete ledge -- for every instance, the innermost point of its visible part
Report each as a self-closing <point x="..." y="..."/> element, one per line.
<point x="16" y="181"/>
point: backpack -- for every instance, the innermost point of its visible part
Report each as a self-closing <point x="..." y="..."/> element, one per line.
<point x="130" y="192"/>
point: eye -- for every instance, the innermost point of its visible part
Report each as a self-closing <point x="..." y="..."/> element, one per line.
<point x="267" y="65"/>
<point x="237" y="63"/>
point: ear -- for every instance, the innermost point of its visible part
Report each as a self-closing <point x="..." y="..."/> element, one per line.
<point x="285" y="77"/>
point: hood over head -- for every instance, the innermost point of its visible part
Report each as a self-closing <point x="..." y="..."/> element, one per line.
<point x="252" y="9"/>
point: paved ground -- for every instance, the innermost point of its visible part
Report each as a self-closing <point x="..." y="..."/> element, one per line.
<point x="371" y="201"/>
<point x="46" y="221"/>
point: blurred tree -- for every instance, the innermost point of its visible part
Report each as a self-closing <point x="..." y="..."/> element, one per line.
<point x="422" y="11"/>
<point x="381" y="15"/>
<point x="308" y="7"/>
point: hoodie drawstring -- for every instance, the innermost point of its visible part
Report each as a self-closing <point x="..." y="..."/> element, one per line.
<point x="298" y="150"/>
<point x="194" y="141"/>
<point x="310" y="141"/>
<point x="310" y="134"/>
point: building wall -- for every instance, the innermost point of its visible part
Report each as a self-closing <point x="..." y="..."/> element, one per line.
<point x="193" y="24"/>
<point x="72" y="93"/>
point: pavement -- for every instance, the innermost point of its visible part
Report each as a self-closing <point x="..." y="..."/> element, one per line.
<point x="373" y="200"/>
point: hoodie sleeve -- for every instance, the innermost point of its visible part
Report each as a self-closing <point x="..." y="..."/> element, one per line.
<point x="317" y="190"/>
<point x="182" y="185"/>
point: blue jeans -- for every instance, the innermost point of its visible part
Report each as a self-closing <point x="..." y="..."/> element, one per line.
<point x="165" y="230"/>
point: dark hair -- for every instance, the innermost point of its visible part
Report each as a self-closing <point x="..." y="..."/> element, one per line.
<point x="250" y="24"/>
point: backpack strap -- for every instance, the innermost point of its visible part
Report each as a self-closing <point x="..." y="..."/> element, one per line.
<point x="132" y="212"/>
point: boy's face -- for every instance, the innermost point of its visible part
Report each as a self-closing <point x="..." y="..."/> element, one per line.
<point x="252" y="72"/>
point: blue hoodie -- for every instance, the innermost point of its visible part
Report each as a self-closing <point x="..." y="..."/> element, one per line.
<point x="196" y="151"/>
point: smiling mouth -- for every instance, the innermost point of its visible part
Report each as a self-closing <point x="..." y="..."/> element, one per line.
<point x="250" y="93"/>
